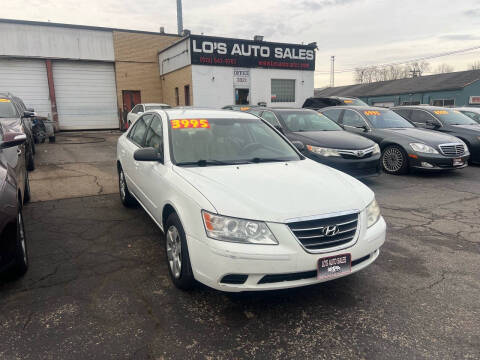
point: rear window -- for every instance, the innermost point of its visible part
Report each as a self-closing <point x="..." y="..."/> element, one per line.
<point x="7" y="109"/>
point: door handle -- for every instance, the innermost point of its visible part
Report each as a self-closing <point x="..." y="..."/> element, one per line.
<point x="19" y="151"/>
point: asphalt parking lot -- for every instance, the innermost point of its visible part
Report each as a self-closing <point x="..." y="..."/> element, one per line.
<point x="98" y="286"/>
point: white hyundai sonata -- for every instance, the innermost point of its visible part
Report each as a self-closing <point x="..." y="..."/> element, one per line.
<point x="241" y="208"/>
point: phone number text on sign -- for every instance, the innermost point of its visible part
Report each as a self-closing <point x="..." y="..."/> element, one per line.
<point x="190" y="123"/>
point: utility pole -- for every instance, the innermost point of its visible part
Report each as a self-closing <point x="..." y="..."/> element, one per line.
<point x="179" y="17"/>
<point x="332" y="71"/>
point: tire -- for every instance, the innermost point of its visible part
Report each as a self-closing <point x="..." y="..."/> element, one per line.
<point x="20" y="253"/>
<point x="51" y="139"/>
<point x="26" y="192"/>
<point x="34" y="150"/>
<point x="394" y="160"/>
<point x="30" y="161"/>
<point x="177" y="255"/>
<point x="127" y="199"/>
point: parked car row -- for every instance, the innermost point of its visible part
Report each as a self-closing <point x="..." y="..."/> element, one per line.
<point x="16" y="149"/>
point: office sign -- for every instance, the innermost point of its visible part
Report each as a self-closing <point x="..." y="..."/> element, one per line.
<point x="241" y="77"/>
<point x="216" y="51"/>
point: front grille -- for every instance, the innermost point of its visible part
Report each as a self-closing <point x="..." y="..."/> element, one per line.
<point x="325" y="233"/>
<point x="452" y="149"/>
<point x="356" y="154"/>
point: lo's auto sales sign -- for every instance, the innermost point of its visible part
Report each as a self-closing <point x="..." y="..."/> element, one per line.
<point x="215" y="51"/>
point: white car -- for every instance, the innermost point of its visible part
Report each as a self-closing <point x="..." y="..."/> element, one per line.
<point x="241" y="208"/>
<point x="471" y="112"/>
<point x="139" y="109"/>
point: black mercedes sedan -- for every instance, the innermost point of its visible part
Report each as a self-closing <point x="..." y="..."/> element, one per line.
<point x="448" y="121"/>
<point x="325" y="141"/>
<point x="403" y="146"/>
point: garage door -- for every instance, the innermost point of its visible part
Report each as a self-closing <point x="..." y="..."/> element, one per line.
<point x="26" y="79"/>
<point x="86" y="95"/>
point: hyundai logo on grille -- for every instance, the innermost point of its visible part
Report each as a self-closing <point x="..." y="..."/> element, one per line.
<point x="331" y="230"/>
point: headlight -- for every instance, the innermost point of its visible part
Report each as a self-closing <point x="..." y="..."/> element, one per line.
<point x="373" y="213"/>
<point x="423" y="148"/>
<point x="237" y="230"/>
<point x="323" y="151"/>
<point x="376" y="149"/>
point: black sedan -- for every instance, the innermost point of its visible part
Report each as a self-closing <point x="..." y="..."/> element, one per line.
<point x="325" y="141"/>
<point x="318" y="102"/>
<point x="403" y="145"/>
<point x="14" y="191"/>
<point x="445" y="120"/>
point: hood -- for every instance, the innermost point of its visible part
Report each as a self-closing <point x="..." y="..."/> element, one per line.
<point x="334" y="139"/>
<point x="428" y="137"/>
<point x="473" y="129"/>
<point x="279" y="191"/>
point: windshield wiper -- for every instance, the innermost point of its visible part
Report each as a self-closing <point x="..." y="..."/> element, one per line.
<point x="259" y="160"/>
<point x="204" y="162"/>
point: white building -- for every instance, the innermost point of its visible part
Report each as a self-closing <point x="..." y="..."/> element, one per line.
<point x="213" y="72"/>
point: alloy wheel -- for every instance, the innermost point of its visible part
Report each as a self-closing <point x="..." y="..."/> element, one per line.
<point x="392" y="159"/>
<point x="121" y="179"/>
<point x="21" y="234"/>
<point x="174" y="251"/>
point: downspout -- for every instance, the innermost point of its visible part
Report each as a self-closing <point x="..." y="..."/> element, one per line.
<point x="51" y="92"/>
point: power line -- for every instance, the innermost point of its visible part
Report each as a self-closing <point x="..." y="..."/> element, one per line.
<point x="428" y="57"/>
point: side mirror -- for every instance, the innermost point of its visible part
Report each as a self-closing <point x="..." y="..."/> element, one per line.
<point x="12" y="139"/>
<point x="432" y="124"/>
<point x="147" y="154"/>
<point x="299" y="145"/>
<point x="28" y="113"/>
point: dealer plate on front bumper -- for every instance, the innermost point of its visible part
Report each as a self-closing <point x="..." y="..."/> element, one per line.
<point x="333" y="266"/>
<point x="457" y="162"/>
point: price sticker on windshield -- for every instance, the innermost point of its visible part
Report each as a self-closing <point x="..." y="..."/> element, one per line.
<point x="245" y="108"/>
<point x="4" y="100"/>
<point x="348" y="101"/>
<point x="190" y="124"/>
<point x="372" y="113"/>
<point x="441" y="112"/>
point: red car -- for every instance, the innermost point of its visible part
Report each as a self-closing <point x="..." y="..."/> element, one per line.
<point x="14" y="192"/>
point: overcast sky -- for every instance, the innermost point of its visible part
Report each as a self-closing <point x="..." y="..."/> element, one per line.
<point x="357" y="32"/>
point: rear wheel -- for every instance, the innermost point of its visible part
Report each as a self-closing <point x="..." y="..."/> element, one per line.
<point x="127" y="199"/>
<point x="26" y="191"/>
<point x="30" y="160"/>
<point x="394" y="160"/>
<point x="178" y="257"/>
<point x="20" y="255"/>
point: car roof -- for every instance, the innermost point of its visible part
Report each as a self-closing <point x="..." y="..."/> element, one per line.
<point x="471" y="108"/>
<point x="426" y="107"/>
<point x="195" y="113"/>
<point x="353" y="107"/>
<point x="154" y="104"/>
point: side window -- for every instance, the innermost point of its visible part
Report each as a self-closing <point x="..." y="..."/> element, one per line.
<point x="405" y="113"/>
<point x="421" y="117"/>
<point x="351" y="118"/>
<point x="137" y="134"/>
<point x="472" y="115"/>
<point x="270" y="118"/>
<point x="155" y="135"/>
<point x="138" y="108"/>
<point x="333" y="114"/>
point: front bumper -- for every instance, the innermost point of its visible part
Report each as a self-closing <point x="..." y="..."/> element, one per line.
<point x="436" y="162"/>
<point x="270" y="267"/>
<point x="359" y="168"/>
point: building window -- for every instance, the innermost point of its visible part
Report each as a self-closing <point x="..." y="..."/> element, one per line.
<point x="443" y="102"/>
<point x="177" y="97"/>
<point x="283" y="90"/>
<point x="187" y="95"/>
<point x="410" y="102"/>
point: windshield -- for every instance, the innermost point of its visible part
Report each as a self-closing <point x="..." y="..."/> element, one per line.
<point x="204" y="142"/>
<point x="153" y="107"/>
<point x="453" y="117"/>
<point x="386" y="119"/>
<point x="7" y="110"/>
<point x="307" y="121"/>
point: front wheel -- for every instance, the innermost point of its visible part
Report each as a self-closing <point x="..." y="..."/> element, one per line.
<point x="394" y="160"/>
<point x="20" y="255"/>
<point x="178" y="258"/>
<point x="30" y="160"/>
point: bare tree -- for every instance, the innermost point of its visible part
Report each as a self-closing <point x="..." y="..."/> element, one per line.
<point x="475" y="65"/>
<point x="370" y="74"/>
<point x="443" y="69"/>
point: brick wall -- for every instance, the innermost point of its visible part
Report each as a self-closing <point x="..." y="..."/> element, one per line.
<point x="136" y="64"/>
<point x="178" y="78"/>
